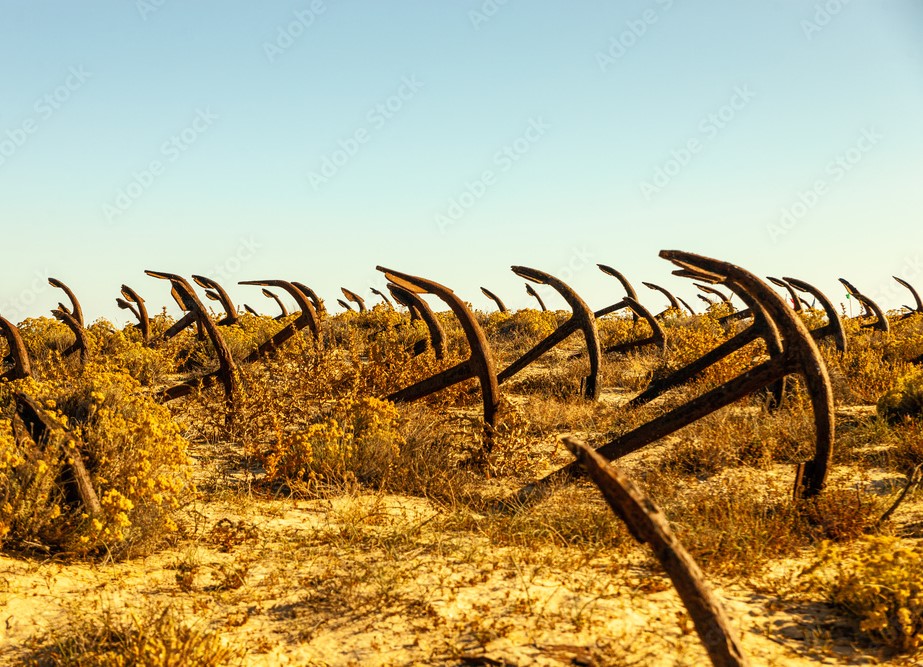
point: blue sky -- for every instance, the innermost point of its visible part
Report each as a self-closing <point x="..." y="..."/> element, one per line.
<point x="313" y="140"/>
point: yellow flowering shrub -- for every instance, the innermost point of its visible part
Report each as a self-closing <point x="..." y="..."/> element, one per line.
<point x="688" y="342"/>
<point x="132" y="450"/>
<point x="356" y="439"/>
<point x="880" y="582"/>
<point x="904" y="401"/>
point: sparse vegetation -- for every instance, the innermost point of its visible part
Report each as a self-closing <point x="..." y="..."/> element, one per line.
<point x="324" y="507"/>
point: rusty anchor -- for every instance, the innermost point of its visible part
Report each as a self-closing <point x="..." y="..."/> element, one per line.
<point x="420" y="310"/>
<point x="582" y="318"/>
<point x="657" y="336"/>
<point x="480" y="363"/>
<point x="217" y="293"/>
<point x="759" y="328"/>
<point x="269" y="294"/>
<point x="227" y="368"/>
<point x="870" y="309"/>
<point x="384" y="297"/>
<point x="346" y="306"/>
<point x="130" y="300"/>
<point x="496" y="299"/>
<point x="81" y="344"/>
<point x="307" y="317"/>
<point x="355" y="298"/>
<point x="834" y="327"/>
<point x="626" y="285"/>
<point x="796" y="300"/>
<point x="686" y="306"/>
<point x="916" y="298"/>
<point x="319" y="310"/>
<point x="708" y="289"/>
<point x="798" y="355"/>
<point x="647" y="524"/>
<point x="531" y="292"/>
<point x="18" y="354"/>
<point x="74" y="478"/>
<point x="674" y="304"/>
<point x="75" y="310"/>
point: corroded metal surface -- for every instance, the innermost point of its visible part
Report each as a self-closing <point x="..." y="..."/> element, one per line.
<point x="648" y="525"/>
<point x="797" y="353"/>
<point x="81" y="344"/>
<point x="531" y="292"/>
<point x="871" y="309"/>
<point x="227" y="368"/>
<point x="136" y="305"/>
<point x="480" y="364"/>
<point x="384" y="297"/>
<point x="18" y="356"/>
<point x="269" y="294"/>
<point x="355" y="298"/>
<point x="74" y="478"/>
<point x="496" y="299"/>
<point x="346" y="305"/>
<point x="75" y="310"/>
<point x="419" y="309"/>
<point x="219" y="294"/>
<point x="318" y="303"/>
<point x="582" y="318"/>
<point x="834" y="327"/>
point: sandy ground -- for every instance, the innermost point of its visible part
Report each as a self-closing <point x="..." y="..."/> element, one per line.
<point x="384" y="580"/>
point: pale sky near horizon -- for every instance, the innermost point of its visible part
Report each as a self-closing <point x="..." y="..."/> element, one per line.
<point x="312" y="141"/>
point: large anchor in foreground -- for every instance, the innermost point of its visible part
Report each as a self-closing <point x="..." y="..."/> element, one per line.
<point x="797" y="355"/>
